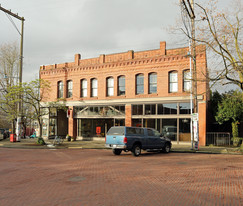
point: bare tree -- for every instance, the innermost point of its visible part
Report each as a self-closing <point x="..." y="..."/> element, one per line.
<point x="9" y="58"/>
<point x="9" y="64"/>
<point x="221" y="32"/>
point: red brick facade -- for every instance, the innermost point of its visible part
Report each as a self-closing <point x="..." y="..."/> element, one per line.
<point x="129" y="64"/>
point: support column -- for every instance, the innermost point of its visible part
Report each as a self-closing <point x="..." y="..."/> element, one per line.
<point x="202" y="107"/>
<point x="72" y="124"/>
<point x="128" y="115"/>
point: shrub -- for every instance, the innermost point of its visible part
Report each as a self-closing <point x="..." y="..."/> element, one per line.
<point x="41" y="141"/>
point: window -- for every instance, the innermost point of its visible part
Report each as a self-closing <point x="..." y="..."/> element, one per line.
<point x="186" y="80"/>
<point x="150" y="132"/>
<point x="84" y="88"/>
<point x="150" y="109"/>
<point x="152" y="83"/>
<point x="110" y="86"/>
<point x="137" y="109"/>
<point x="136" y="131"/>
<point x="185" y="108"/>
<point x="94" y="88"/>
<point x="60" y="89"/>
<point x="121" y="85"/>
<point x="69" y="89"/>
<point x="173" y="82"/>
<point x="167" y="108"/>
<point x="139" y="84"/>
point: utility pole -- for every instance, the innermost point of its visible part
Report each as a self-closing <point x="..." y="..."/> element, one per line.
<point x="20" y="66"/>
<point x="189" y="7"/>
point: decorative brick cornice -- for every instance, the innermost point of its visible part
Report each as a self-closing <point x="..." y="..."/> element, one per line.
<point x="134" y="62"/>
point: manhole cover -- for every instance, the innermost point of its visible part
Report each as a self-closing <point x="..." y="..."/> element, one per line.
<point x="182" y="163"/>
<point x="76" y="179"/>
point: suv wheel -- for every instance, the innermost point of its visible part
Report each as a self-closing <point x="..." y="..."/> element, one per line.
<point x="136" y="150"/>
<point x="166" y="148"/>
<point x="116" y="151"/>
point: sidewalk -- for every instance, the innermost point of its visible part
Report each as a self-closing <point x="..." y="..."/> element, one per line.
<point x="100" y="144"/>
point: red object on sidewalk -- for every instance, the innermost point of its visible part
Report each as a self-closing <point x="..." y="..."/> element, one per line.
<point x="12" y="137"/>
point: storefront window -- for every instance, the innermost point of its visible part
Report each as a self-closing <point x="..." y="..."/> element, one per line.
<point x="185" y="108"/>
<point x="167" y="108"/>
<point x="119" y="122"/>
<point x="150" y="109"/>
<point x="52" y="126"/>
<point x="169" y="128"/>
<point x="184" y="129"/>
<point x="89" y="128"/>
<point x="151" y="123"/>
<point x="137" y="109"/>
<point x="99" y="111"/>
<point x="44" y="127"/>
<point x="53" y="112"/>
<point x="137" y="123"/>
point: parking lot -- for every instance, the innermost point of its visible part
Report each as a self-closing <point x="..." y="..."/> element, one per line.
<point x="97" y="177"/>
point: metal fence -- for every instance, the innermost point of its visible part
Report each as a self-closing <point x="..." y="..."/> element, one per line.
<point x="218" y="138"/>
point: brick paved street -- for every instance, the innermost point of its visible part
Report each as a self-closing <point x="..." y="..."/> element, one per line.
<point x="96" y="177"/>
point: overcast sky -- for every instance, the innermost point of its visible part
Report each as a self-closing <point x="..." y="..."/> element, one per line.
<point x="55" y="30"/>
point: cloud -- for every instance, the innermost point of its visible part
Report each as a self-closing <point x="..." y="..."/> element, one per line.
<point x="56" y="29"/>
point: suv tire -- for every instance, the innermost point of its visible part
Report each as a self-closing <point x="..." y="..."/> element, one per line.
<point x="116" y="151"/>
<point x="136" y="150"/>
<point x="166" y="148"/>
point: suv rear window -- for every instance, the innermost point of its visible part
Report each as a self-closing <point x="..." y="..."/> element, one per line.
<point x="116" y="131"/>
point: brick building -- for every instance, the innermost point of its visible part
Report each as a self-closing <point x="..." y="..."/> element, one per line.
<point x="146" y="88"/>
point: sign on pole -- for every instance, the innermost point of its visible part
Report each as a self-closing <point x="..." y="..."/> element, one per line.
<point x="194" y="117"/>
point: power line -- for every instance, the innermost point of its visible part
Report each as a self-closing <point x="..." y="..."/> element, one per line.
<point x="11" y="20"/>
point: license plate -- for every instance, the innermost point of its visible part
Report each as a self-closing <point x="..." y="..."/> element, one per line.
<point x="114" y="146"/>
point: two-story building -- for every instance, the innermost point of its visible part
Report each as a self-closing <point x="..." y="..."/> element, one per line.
<point x="146" y="89"/>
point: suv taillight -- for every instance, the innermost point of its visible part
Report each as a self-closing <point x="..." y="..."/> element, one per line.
<point x="125" y="140"/>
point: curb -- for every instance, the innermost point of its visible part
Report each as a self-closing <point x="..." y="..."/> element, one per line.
<point x="232" y="151"/>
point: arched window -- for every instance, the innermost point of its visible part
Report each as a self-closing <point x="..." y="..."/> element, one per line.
<point x="60" y="89"/>
<point x="187" y="80"/>
<point x="121" y="85"/>
<point x="84" y="86"/>
<point x="152" y="83"/>
<point x="173" y="81"/>
<point x="139" y="84"/>
<point x="69" y="88"/>
<point x="94" y="88"/>
<point x="110" y="86"/>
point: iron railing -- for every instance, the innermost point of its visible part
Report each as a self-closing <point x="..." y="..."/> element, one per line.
<point x="218" y="138"/>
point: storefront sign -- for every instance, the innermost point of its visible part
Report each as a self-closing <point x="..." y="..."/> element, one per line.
<point x="98" y="130"/>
